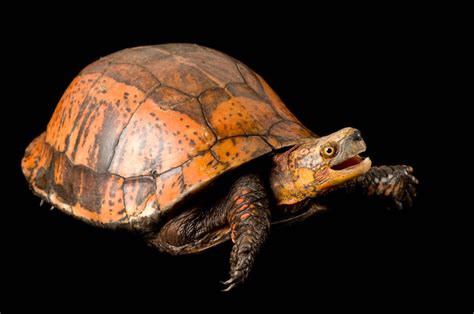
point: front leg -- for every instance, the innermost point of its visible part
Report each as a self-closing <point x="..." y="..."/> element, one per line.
<point x="249" y="220"/>
<point x="394" y="182"/>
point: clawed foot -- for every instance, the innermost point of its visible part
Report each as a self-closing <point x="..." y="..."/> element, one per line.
<point x="241" y="261"/>
<point x="396" y="183"/>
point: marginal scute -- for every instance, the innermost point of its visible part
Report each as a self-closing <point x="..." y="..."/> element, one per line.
<point x="83" y="193"/>
<point x="62" y="177"/>
<point x="37" y="157"/>
<point x="201" y="169"/>
<point x="139" y="130"/>
<point x="138" y="192"/>
<point x="169" y="187"/>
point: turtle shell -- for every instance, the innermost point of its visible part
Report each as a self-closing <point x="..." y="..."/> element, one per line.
<point x="140" y="129"/>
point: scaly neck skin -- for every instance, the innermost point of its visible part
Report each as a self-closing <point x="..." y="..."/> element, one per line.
<point x="286" y="184"/>
<point x="282" y="183"/>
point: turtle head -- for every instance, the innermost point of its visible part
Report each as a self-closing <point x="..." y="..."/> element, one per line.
<point x="317" y="165"/>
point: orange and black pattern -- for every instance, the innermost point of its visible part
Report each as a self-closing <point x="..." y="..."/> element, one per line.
<point x="140" y="129"/>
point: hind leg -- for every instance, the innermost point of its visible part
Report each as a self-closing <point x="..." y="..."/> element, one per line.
<point x="194" y="230"/>
<point x="242" y="216"/>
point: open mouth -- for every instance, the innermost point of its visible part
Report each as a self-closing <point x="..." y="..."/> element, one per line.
<point x="349" y="163"/>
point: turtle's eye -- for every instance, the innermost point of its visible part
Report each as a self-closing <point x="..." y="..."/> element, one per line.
<point x="328" y="151"/>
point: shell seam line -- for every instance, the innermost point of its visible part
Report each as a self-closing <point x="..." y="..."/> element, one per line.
<point x="187" y="62"/>
<point x="264" y="100"/>
<point x="128" y="122"/>
<point x="210" y="150"/>
<point x="140" y="66"/>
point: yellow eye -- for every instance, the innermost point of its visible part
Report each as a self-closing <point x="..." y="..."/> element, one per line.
<point x="329" y="151"/>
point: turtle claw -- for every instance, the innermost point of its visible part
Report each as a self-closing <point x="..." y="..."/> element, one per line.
<point x="41" y="202"/>
<point x="230" y="284"/>
<point x="396" y="183"/>
<point x="227" y="282"/>
<point x="402" y="186"/>
<point x="230" y="287"/>
<point x="398" y="205"/>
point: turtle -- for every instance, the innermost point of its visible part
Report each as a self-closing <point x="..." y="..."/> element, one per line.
<point x="189" y="148"/>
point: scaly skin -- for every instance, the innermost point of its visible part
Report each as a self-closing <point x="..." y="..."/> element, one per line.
<point x="394" y="182"/>
<point x="245" y="210"/>
<point x="249" y="218"/>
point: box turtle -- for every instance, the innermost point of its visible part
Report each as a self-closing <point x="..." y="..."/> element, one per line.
<point x="190" y="148"/>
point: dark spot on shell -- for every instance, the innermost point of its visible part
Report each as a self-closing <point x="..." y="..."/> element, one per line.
<point x="192" y="143"/>
<point x="111" y="203"/>
<point x="239" y="114"/>
<point x="128" y="109"/>
<point x="180" y="142"/>
<point x="187" y="125"/>
<point x="227" y="153"/>
<point x="152" y="114"/>
<point x="125" y="95"/>
<point x="195" y="133"/>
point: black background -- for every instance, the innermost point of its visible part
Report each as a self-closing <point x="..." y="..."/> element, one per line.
<point x="370" y="71"/>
